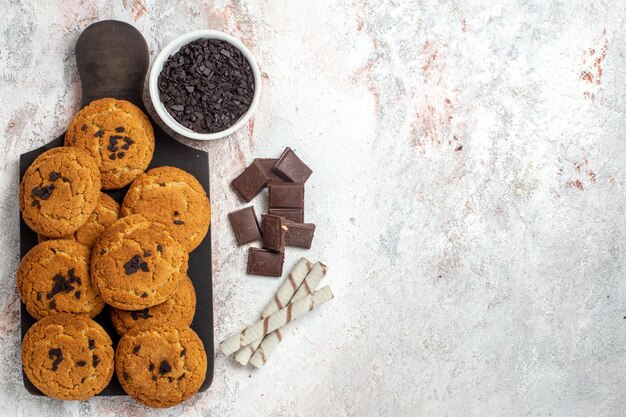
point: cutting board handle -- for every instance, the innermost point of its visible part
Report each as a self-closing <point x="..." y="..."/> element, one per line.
<point x="112" y="59"/>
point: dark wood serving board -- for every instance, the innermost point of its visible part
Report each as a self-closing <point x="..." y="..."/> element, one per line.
<point x="112" y="59"/>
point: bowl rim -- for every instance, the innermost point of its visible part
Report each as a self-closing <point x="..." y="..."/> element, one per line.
<point x="171" y="48"/>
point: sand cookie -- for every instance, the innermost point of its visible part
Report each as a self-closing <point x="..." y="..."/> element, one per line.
<point x="53" y="277"/>
<point x="177" y="310"/>
<point x="68" y="356"/>
<point x="118" y="135"/>
<point x="173" y="197"/>
<point x="160" y="365"/>
<point x="136" y="263"/>
<point x="59" y="191"/>
<point x="106" y="213"/>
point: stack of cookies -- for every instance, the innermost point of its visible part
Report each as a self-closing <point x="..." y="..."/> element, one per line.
<point x="94" y="253"/>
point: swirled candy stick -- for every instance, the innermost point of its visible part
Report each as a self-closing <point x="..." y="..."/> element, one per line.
<point x="286" y="290"/>
<point x="271" y="341"/>
<point x="276" y="320"/>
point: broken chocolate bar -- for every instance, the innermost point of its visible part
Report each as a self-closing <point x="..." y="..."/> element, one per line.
<point x="286" y="195"/>
<point x="273" y="229"/>
<point x="264" y="262"/>
<point x="291" y="168"/>
<point x="245" y="225"/>
<point x="295" y="215"/>
<point x="267" y="165"/>
<point x="251" y="181"/>
<point x="299" y="234"/>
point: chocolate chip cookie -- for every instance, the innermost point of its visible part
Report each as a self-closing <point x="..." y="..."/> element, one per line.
<point x="68" y="356"/>
<point x="160" y="365"/>
<point x="118" y="135"/>
<point x="106" y="213"/>
<point x="177" y="310"/>
<point x="174" y="198"/>
<point x="53" y="277"/>
<point x="59" y="191"/>
<point x="136" y="263"/>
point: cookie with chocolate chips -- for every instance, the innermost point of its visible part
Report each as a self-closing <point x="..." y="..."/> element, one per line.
<point x="118" y="135"/>
<point x="106" y="213"/>
<point x="68" y="356"/>
<point x="174" y="198"/>
<point x="53" y="278"/>
<point x="59" y="191"/>
<point x="177" y="310"/>
<point x="160" y="365"/>
<point x="136" y="263"/>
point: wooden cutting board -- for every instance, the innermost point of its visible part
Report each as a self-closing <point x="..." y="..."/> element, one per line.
<point x="113" y="60"/>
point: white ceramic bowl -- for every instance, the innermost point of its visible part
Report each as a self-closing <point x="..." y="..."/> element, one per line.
<point x="171" y="49"/>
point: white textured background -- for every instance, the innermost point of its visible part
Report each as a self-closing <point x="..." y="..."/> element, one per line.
<point x="468" y="190"/>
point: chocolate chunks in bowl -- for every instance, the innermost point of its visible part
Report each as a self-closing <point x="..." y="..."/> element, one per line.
<point x="251" y="181"/>
<point x="291" y="168"/>
<point x="245" y="225"/>
<point x="286" y="195"/>
<point x="299" y="234"/>
<point x="273" y="229"/>
<point x="294" y="215"/>
<point x="265" y="262"/>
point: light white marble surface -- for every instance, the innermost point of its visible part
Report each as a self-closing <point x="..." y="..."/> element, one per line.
<point x="468" y="191"/>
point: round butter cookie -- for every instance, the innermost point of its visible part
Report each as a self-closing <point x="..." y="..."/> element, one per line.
<point x="59" y="191"/>
<point x="160" y="365"/>
<point x="68" y="356"/>
<point x="174" y="198"/>
<point x="177" y="310"/>
<point x="53" y="277"/>
<point x="136" y="263"/>
<point x="106" y="213"/>
<point x="118" y="135"/>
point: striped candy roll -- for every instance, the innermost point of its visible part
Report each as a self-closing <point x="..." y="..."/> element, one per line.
<point x="276" y="320"/>
<point x="271" y="341"/>
<point x="281" y="299"/>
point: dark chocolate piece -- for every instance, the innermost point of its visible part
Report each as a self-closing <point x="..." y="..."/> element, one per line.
<point x="57" y="355"/>
<point x="273" y="230"/>
<point x="83" y="128"/>
<point x="291" y="168"/>
<point x="95" y="360"/>
<point x="137" y="314"/>
<point x="264" y="262"/>
<point x="299" y="234"/>
<point x="92" y="344"/>
<point x="286" y="195"/>
<point x="81" y="363"/>
<point x="136" y="349"/>
<point x="267" y="165"/>
<point x="54" y="176"/>
<point x="245" y="225"/>
<point x="165" y="367"/>
<point x="119" y="129"/>
<point x="294" y="215"/>
<point x="250" y="182"/>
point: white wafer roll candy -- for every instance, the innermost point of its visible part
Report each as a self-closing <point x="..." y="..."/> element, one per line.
<point x="271" y="341"/>
<point x="281" y="299"/>
<point x="276" y="320"/>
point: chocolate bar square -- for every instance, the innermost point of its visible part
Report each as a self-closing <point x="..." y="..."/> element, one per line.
<point x="273" y="230"/>
<point x="267" y="165"/>
<point x="286" y="195"/>
<point x="245" y="225"/>
<point x="264" y="262"/>
<point x="291" y="168"/>
<point x="299" y="234"/>
<point x="251" y="181"/>
<point x="295" y="215"/>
